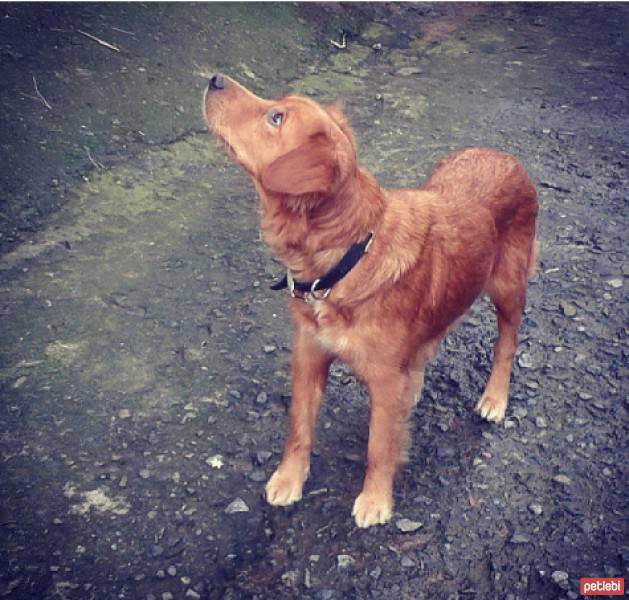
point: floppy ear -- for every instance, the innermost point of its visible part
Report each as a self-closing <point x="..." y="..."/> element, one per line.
<point x="307" y="169"/>
<point x="335" y="110"/>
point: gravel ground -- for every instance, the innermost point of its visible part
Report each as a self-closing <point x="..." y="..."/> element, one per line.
<point x="144" y="362"/>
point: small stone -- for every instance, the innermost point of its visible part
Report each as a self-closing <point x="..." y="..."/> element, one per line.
<point x="541" y="422"/>
<point x="290" y="578"/>
<point x="216" y="461"/>
<point x="408" y="526"/>
<point x="324" y="594"/>
<point x="563" y="479"/>
<point x="167" y="596"/>
<point x="190" y="593"/>
<point x="615" y="283"/>
<point x="156" y="550"/>
<point x="520" y="538"/>
<point x="268" y="348"/>
<point x="375" y="573"/>
<point x="257" y="475"/>
<point x="525" y="360"/>
<point x="560" y="578"/>
<point x="407" y="562"/>
<point x="185" y="580"/>
<point x="262" y="456"/>
<point x="145" y="473"/>
<point x="160" y="574"/>
<point x="236" y="506"/>
<point x="535" y="508"/>
<point x="377" y="46"/>
<point x="445" y="452"/>
<point x="234" y="394"/>
<point x="261" y="398"/>
<point x="344" y="561"/>
<point x="172" y="570"/>
<point x="567" y="308"/>
<point x="123" y="481"/>
<point x="124" y="413"/>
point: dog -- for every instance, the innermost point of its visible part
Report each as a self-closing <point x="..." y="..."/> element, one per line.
<point x="377" y="277"/>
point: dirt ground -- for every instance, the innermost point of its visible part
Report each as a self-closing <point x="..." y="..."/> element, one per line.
<point x="144" y="361"/>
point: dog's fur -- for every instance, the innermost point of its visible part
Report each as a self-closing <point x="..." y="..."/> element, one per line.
<point x="469" y="229"/>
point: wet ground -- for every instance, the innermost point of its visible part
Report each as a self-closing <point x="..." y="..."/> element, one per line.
<point x="144" y="362"/>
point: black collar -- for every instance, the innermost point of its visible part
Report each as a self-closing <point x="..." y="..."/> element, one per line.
<point x="324" y="284"/>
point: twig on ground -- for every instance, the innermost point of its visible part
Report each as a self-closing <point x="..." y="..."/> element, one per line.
<point x="343" y="43"/>
<point x="40" y="95"/>
<point x="122" y="30"/>
<point x="101" y="42"/>
<point x="96" y="163"/>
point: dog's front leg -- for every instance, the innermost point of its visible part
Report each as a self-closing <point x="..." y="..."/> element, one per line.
<point x="310" y="365"/>
<point x="391" y="395"/>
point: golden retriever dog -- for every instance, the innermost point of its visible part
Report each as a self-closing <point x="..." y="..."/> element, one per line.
<point x="377" y="277"/>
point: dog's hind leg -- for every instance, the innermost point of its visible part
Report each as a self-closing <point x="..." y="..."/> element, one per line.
<point x="507" y="290"/>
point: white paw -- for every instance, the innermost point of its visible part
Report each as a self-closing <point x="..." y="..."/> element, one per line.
<point x="492" y="408"/>
<point x="372" y="509"/>
<point x="284" y="488"/>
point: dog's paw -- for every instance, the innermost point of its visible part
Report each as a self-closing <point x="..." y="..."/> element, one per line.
<point x="284" y="487"/>
<point x="492" y="408"/>
<point x="372" y="509"/>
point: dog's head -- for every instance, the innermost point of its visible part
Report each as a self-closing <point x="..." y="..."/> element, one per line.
<point x="290" y="146"/>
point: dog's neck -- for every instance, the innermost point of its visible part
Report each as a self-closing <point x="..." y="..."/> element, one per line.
<point x="310" y="233"/>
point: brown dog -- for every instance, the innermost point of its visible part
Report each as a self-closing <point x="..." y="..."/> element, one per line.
<point x="469" y="229"/>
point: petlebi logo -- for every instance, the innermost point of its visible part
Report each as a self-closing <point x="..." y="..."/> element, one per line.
<point x="602" y="586"/>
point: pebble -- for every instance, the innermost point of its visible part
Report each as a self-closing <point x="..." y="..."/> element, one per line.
<point x="156" y="550"/>
<point x="563" y="479"/>
<point x="124" y="413"/>
<point x="167" y="596"/>
<point x="261" y="398"/>
<point x="541" y="422"/>
<point x="263" y="456"/>
<point x="445" y="452"/>
<point x="172" y="570"/>
<point x="525" y="360"/>
<point x="408" y="526"/>
<point x="235" y="506"/>
<point x="324" y="594"/>
<point x="269" y="348"/>
<point x="145" y="473"/>
<point x="407" y="562"/>
<point x="615" y="283"/>
<point x="344" y="561"/>
<point x="375" y="573"/>
<point x="535" y="508"/>
<point x="560" y="578"/>
<point x="190" y="593"/>
<point x="520" y="538"/>
<point x="257" y="475"/>
<point x="567" y="308"/>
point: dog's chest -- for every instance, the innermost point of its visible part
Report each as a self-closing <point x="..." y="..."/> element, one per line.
<point x="331" y="331"/>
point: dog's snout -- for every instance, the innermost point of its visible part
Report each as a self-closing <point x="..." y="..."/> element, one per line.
<point x="217" y="82"/>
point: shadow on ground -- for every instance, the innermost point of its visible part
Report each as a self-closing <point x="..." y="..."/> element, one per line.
<point x="144" y="360"/>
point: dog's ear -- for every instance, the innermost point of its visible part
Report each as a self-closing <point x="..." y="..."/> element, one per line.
<point x="335" y="110"/>
<point x="310" y="168"/>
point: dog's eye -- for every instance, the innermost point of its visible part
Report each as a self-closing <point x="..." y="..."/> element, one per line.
<point x="275" y="118"/>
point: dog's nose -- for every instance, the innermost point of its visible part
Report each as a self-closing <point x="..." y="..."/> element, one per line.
<point x="217" y="82"/>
